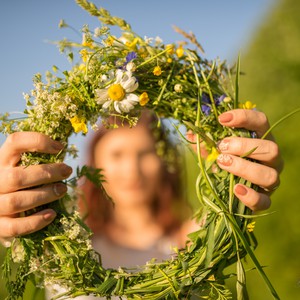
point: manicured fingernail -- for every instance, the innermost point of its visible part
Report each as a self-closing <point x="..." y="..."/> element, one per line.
<point x="240" y="190"/>
<point x="66" y="171"/>
<point x="225" y="117"/>
<point x="224" y="159"/>
<point x="223" y="145"/>
<point x="59" y="189"/>
<point x="49" y="215"/>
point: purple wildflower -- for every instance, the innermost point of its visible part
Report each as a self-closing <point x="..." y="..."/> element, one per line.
<point x="206" y="109"/>
<point x="253" y="134"/>
<point x="130" y="56"/>
<point x="220" y="99"/>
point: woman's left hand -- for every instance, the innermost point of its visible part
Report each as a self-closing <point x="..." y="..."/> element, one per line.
<point x="265" y="171"/>
<point x="268" y="164"/>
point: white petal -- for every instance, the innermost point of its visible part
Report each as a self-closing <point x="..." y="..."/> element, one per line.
<point x="132" y="98"/>
<point x="126" y="106"/>
<point x="130" y="85"/>
<point x="119" y="76"/>
<point x="102" y="95"/>
<point x="116" y="105"/>
<point x="106" y="104"/>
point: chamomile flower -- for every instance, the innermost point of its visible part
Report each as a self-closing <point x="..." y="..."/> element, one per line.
<point x="119" y="94"/>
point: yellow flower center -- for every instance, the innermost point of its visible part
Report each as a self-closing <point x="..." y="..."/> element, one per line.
<point x="116" y="92"/>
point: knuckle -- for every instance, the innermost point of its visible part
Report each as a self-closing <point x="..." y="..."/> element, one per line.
<point x="272" y="178"/>
<point x="12" y="139"/>
<point x="240" y="116"/>
<point x="12" y="204"/>
<point x="263" y="119"/>
<point x="274" y="149"/>
<point x="14" y="180"/>
<point x="12" y="229"/>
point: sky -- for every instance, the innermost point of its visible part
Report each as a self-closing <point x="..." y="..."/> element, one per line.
<point x="224" y="28"/>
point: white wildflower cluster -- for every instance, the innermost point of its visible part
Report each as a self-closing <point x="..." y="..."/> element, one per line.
<point x="18" y="253"/>
<point x="70" y="228"/>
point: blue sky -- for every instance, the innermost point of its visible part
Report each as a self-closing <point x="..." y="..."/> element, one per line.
<point x="223" y="27"/>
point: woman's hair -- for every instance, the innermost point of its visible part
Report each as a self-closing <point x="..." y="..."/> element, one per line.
<point x="169" y="208"/>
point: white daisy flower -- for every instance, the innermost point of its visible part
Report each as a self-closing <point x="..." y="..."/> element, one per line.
<point x="119" y="94"/>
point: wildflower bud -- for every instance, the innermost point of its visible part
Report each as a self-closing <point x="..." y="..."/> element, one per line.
<point x="131" y="67"/>
<point x="227" y="99"/>
<point x="178" y="88"/>
<point x="170" y="49"/>
<point x="160" y="82"/>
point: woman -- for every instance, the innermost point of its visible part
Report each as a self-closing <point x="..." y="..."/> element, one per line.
<point x="141" y="224"/>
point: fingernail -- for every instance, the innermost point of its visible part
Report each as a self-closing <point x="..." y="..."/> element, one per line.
<point x="66" y="171"/>
<point x="224" y="159"/>
<point x="240" y="190"/>
<point x="223" y="145"/>
<point x="59" y="189"/>
<point x="225" y="117"/>
<point x="57" y="145"/>
<point x="49" y="215"/>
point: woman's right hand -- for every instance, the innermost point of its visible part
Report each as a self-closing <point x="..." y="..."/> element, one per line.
<point x="23" y="188"/>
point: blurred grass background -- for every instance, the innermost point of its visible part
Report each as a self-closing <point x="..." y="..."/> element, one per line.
<point x="272" y="67"/>
<point x="271" y="63"/>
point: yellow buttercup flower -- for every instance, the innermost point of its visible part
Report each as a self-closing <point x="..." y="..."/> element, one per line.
<point x="247" y="105"/>
<point x="179" y="51"/>
<point x="251" y="226"/>
<point x="84" y="55"/>
<point x="170" y="49"/>
<point x="157" y="71"/>
<point x="144" y="99"/>
<point x="132" y="45"/>
<point x="87" y="41"/>
<point x="82" y="67"/>
<point x="109" y="41"/>
<point x="213" y="154"/>
<point x="79" y="124"/>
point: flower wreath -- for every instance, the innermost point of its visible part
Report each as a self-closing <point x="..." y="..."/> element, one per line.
<point x="119" y="77"/>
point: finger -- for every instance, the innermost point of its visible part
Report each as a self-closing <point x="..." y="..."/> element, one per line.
<point x="20" y="142"/>
<point x="254" y="200"/>
<point x="12" y="227"/>
<point x="24" y="177"/>
<point x="24" y="200"/>
<point x="246" y="118"/>
<point x="256" y="173"/>
<point x="265" y="151"/>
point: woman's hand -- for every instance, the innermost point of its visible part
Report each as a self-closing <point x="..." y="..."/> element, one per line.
<point x="23" y="188"/>
<point x="265" y="173"/>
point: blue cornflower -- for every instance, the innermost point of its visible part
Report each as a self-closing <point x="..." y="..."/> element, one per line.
<point x="206" y="109"/>
<point x="130" y="56"/>
<point x="220" y="99"/>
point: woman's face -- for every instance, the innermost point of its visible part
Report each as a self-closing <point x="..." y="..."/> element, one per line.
<point x="130" y="164"/>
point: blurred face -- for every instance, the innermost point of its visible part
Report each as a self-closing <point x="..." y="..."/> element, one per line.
<point x="131" y="167"/>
